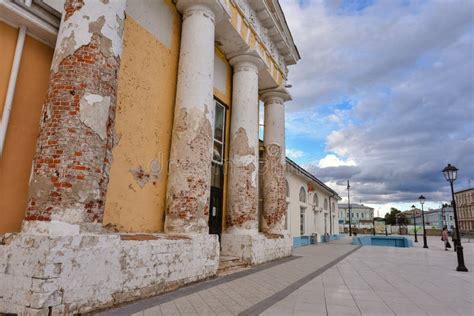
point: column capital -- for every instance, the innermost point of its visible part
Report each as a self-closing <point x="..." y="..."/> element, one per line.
<point x="214" y="9"/>
<point x="246" y="60"/>
<point x="279" y="94"/>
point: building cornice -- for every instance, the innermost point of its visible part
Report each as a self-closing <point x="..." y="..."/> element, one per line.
<point x="41" y="21"/>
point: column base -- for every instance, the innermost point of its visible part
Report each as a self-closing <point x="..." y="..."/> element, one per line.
<point x="256" y="249"/>
<point x="44" y="274"/>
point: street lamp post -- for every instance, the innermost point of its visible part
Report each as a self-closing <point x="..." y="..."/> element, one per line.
<point x="450" y="174"/>
<point x="422" y="201"/>
<point x="414" y="221"/>
<point x="443" y="219"/>
<point x="373" y="222"/>
<point x="349" y="206"/>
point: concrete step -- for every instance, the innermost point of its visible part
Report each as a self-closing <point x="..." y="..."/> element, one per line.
<point x="230" y="264"/>
<point x="228" y="258"/>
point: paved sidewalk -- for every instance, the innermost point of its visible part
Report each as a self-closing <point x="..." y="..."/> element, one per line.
<point x="248" y="291"/>
<point x="388" y="281"/>
<point x="332" y="279"/>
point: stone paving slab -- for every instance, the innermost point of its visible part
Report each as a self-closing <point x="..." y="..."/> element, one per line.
<point x="388" y="281"/>
<point x="332" y="279"/>
<point x="233" y="294"/>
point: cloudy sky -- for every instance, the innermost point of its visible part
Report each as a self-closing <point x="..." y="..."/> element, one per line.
<point x="383" y="96"/>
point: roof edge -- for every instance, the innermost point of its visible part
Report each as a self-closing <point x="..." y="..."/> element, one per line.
<point x="312" y="177"/>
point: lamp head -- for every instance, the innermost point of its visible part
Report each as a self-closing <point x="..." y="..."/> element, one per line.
<point x="450" y="173"/>
<point x="422" y="199"/>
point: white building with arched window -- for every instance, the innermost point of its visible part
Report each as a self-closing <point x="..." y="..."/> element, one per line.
<point x="311" y="206"/>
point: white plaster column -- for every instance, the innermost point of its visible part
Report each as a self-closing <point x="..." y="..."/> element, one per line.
<point x="187" y="205"/>
<point x="274" y="184"/>
<point x="70" y="171"/>
<point x="242" y="208"/>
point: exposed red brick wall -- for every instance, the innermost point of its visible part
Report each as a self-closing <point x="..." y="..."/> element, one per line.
<point x="71" y="159"/>
<point x="72" y="6"/>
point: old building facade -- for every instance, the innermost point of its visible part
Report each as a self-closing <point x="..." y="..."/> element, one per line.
<point x="130" y="151"/>
<point x="312" y="211"/>
<point x="465" y="209"/>
<point x="362" y="216"/>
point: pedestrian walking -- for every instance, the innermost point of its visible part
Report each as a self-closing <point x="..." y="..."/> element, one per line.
<point x="445" y="238"/>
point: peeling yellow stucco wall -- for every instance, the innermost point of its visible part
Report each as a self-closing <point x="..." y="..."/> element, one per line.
<point x="23" y="127"/>
<point x="146" y="96"/>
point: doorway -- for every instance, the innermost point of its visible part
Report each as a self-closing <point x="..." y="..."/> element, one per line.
<point x="216" y="205"/>
<point x="325" y="223"/>
<point x="217" y="172"/>
<point x="215" y="212"/>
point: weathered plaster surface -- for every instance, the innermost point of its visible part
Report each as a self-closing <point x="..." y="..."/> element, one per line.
<point x="188" y="185"/>
<point x="142" y="177"/>
<point x="73" y="154"/>
<point x="61" y="270"/>
<point x="273" y="175"/>
<point x="94" y="111"/>
<point x="187" y="208"/>
<point x="88" y="17"/>
<point x="242" y="202"/>
<point x="256" y="249"/>
<point x="144" y="121"/>
<point x="274" y="190"/>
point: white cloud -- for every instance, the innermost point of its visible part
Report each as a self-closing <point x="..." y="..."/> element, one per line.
<point x="294" y="153"/>
<point x="334" y="161"/>
<point x="406" y="67"/>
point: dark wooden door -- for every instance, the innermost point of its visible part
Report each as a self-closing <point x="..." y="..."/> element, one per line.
<point x="215" y="211"/>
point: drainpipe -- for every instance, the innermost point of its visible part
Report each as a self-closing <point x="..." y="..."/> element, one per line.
<point x="330" y="215"/>
<point x="330" y="218"/>
<point x="7" y="108"/>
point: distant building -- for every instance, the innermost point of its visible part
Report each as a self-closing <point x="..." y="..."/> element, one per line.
<point x="311" y="206"/>
<point x="437" y="218"/>
<point x="409" y="216"/>
<point x="440" y="217"/>
<point x="361" y="215"/>
<point x="465" y="208"/>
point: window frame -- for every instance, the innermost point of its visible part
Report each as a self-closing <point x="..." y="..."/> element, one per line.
<point x="214" y="139"/>
<point x="302" y="221"/>
<point x="302" y="190"/>
<point x="315" y="199"/>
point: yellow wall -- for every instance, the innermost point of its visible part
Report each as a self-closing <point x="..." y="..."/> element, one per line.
<point x="145" y="100"/>
<point x="8" y="37"/>
<point x="23" y="128"/>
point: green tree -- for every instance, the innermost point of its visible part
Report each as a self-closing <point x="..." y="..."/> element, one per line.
<point x="391" y="218"/>
<point x="402" y="220"/>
